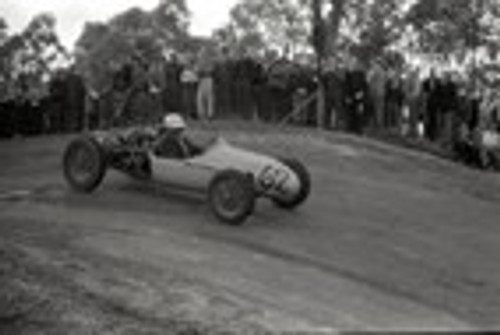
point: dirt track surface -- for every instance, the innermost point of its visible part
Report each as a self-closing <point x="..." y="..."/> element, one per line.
<point x="389" y="240"/>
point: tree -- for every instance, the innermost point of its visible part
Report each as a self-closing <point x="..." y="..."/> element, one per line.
<point x="383" y="27"/>
<point x="122" y="60"/>
<point x="3" y="31"/>
<point x="458" y="26"/>
<point x="137" y="36"/>
<point x="171" y="20"/>
<point x="29" y="58"/>
<point x="4" y="61"/>
<point x="464" y="31"/>
<point x="366" y="30"/>
<point x="336" y="14"/>
<point x="257" y="26"/>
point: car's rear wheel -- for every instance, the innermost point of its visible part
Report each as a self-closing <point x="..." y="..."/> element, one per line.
<point x="84" y="164"/>
<point x="231" y="195"/>
<point x="305" y="185"/>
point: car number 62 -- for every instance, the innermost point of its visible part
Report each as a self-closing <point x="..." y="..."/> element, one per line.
<point x="271" y="178"/>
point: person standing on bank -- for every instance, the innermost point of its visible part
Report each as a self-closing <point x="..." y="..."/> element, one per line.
<point x="431" y="88"/>
<point x="413" y="100"/>
<point x="356" y="94"/>
<point x="223" y="83"/>
<point x="377" y="79"/>
<point x="449" y="104"/>
<point x="205" y="100"/>
<point x="189" y="83"/>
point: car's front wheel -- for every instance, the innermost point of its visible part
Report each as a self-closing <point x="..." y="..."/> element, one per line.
<point x="84" y="164"/>
<point x="231" y="196"/>
<point x="305" y="185"/>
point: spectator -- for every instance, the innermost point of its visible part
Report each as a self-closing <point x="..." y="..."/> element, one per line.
<point x="298" y="98"/>
<point x="334" y="82"/>
<point x="91" y="109"/>
<point x="172" y="92"/>
<point x="223" y="84"/>
<point x="394" y="102"/>
<point x="462" y="111"/>
<point x="279" y="94"/>
<point x="250" y="78"/>
<point x="74" y="101"/>
<point x="377" y="83"/>
<point x="258" y="82"/>
<point x="487" y="132"/>
<point x="242" y="87"/>
<point x="57" y="91"/>
<point x="189" y="82"/>
<point x="205" y="100"/>
<point x="413" y="101"/>
<point x="488" y="110"/>
<point x="339" y="93"/>
<point x="448" y="108"/>
<point x="431" y="95"/>
<point x="356" y="94"/>
<point x="474" y="109"/>
<point x="7" y="116"/>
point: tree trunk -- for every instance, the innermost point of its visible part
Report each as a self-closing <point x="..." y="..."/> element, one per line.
<point x="336" y="15"/>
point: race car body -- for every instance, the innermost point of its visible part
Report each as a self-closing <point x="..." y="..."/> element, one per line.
<point x="272" y="177"/>
<point x="232" y="177"/>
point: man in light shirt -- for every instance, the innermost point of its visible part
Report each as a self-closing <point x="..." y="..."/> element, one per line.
<point x="205" y="100"/>
<point x="189" y="82"/>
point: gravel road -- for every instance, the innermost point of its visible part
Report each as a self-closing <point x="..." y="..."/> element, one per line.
<point x="389" y="240"/>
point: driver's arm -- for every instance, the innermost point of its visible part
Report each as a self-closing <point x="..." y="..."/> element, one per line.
<point x="189" y="147"/>
<point x="168" y="145"/>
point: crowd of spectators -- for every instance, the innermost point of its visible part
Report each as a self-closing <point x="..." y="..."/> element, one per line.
<point x="232" y="87"/>
<point x="60" y="111"/>
<point x="442" y="107"/>
<point x="439" y="107"/>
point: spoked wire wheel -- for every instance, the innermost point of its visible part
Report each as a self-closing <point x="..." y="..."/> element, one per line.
<point x="84" y="164"/>
<point x="232" y="196"/>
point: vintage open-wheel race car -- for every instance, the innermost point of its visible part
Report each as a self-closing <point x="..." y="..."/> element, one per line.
<point x="233" y="178"/>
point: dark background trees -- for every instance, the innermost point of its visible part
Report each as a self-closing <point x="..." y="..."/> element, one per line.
<point x="28" y="58"/>
<point x="461" y="31"/>
<point x="133" y="47"/>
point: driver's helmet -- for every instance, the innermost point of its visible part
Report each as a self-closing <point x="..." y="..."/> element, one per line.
<point x="174" y="121"/>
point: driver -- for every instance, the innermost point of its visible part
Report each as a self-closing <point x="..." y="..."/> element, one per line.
<point x="172" y="141"/>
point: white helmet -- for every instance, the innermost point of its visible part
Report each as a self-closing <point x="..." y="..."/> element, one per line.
<point x="174" y="121"/>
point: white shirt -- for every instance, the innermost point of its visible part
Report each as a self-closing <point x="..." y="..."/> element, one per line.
<point x="189" y="76"/>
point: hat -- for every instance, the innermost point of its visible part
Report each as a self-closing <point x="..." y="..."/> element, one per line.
<point x="174" y="121"/>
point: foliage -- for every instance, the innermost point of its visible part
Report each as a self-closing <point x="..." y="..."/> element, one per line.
<point x="135" y="36"/>
<point x="3" y="30"/>
<point x="455" y="26"/>
<point x="364" y="29"/>
<point x="258" y="26"/>
<point x="29" y="58"/>
<point x="372" y="29"/>
<point x="379" y="26"/>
